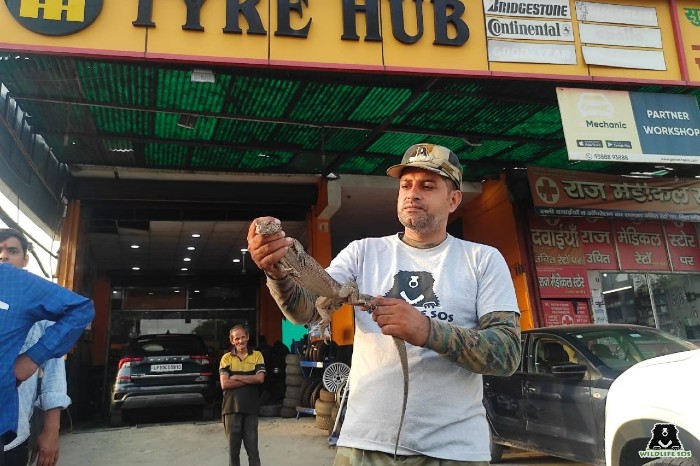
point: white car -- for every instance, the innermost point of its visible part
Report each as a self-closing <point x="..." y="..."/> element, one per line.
<point x="652" y="415"/>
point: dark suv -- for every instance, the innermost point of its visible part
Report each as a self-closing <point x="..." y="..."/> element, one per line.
<point x="160" y="371"/>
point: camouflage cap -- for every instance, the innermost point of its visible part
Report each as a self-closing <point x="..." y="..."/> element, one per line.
<point x="438" y="159"/>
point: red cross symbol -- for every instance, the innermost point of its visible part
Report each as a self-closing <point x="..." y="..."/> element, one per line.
<point x="547" y="190"/>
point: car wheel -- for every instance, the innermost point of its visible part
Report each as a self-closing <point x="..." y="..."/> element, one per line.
<point x="204" y="413"/>
<point x="115" y="418"/>
<point x="496" y="449"/>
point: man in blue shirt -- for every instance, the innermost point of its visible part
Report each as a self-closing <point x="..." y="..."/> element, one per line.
<point x="24" y="300"/>
<point x="50" y="395"/>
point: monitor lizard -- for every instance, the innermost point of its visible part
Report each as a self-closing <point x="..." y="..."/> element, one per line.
<point x="309" y="274"/>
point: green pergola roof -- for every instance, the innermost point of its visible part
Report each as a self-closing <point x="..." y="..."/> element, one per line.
<point x="127" y="114"/>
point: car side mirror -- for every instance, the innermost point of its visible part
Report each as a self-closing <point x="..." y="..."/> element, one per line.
<point x="574" y="371"/>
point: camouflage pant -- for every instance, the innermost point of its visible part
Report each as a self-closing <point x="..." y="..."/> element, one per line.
<point x="354" y="457"/>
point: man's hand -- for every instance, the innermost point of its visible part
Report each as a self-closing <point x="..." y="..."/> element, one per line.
<point x="24" y="368"/>
<point x="267" y="250"/>
<point x="399" y="319"/>
<point x="46" y="452"/>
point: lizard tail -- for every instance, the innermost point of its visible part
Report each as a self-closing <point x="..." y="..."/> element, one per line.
<point x="401" y="348"/>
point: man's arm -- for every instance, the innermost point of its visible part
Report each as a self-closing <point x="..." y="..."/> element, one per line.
<point x="235" y="381"/>
<point x="296" y="303"/>
<point x="492" y="349"/>
<point x="71" y="312"/>
<point x="47" y="447"/>
<point x="53" y="398"/>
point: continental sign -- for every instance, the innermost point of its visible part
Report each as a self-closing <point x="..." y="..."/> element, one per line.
<point x="547" y="38"/>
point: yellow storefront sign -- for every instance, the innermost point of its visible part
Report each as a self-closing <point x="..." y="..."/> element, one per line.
<point x="689" y="25"/>
<point x="456" y="37"/>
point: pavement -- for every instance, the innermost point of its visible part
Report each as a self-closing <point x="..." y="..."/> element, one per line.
<point x="288" y="442"/>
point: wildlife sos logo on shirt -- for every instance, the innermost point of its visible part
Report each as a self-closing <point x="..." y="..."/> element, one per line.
<point x="55" y="17"/>
<point x="665" y="443"/>
<point x="417" y="289"/>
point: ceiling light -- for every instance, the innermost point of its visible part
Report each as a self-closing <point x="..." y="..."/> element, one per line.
<point x="190" y="248"/>
<point x="187" y="121"/>
<point x="244" y="249"/>
<point x="661" y="172"/>
<point x="184" y="269"/>
<point x="135" y="246"/>
<point x="187" y="259"/>
<point x="200" y="75"/>
<point x="136" y="268"/>
<point x="617" y="290"/>
<point x="236" y="260"/>
<point x="196" y="291"/>
<point x="176" y="291"/>
<point x="475" y="143"/>
<point x="115" y="292"/>
<point x="196" y="235"/>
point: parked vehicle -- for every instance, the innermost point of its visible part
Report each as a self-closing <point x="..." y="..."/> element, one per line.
<point x="653" y="407"/>
<point x="555" y="402"/>
<point x="160" y="371"/>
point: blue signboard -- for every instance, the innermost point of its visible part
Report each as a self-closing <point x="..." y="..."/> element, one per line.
<point x="667" y="124"/>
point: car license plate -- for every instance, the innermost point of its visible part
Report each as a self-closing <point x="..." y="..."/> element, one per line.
<point x="166" y="367"/>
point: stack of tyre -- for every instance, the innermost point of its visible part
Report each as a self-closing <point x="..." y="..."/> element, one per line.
<point x="311" y="389"/>
<point x="293" y="382"/>
<point x="324" y="409"/>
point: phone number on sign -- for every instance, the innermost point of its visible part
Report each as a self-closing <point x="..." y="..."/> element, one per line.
<point x="590" y="156"/>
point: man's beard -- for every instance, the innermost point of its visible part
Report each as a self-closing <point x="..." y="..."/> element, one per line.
<point x="426" y="223"/>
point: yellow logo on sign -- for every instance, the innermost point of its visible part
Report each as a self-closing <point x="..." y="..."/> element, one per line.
<point x="53" y="9"/>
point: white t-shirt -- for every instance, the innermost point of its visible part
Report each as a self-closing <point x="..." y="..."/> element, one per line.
<point x="457" y="282"/>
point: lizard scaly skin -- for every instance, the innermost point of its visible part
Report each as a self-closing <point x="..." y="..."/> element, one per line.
<point x="308" y="274"/>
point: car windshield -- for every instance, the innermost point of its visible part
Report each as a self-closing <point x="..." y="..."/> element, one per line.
<point x="621" y="348"/>
<point x="168" y="345"/>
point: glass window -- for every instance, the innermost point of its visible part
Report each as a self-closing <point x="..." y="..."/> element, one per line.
<point x="621" y="348"/>
<point x="677" y="301"/>
<point x="627" y="299"/>
<point x="550" y="352"/>
<point x="670" y="302"/>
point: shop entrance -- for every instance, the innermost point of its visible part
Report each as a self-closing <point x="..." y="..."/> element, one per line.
<point x="207" y="311"/>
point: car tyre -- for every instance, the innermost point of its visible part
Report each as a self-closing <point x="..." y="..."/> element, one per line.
<point x="205" y="413"/>
<point x="116" y="418"/>
<point x="496" y="450"/>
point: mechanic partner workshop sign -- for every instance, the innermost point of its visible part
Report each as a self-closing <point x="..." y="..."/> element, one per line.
<point x="618" y="126"/>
